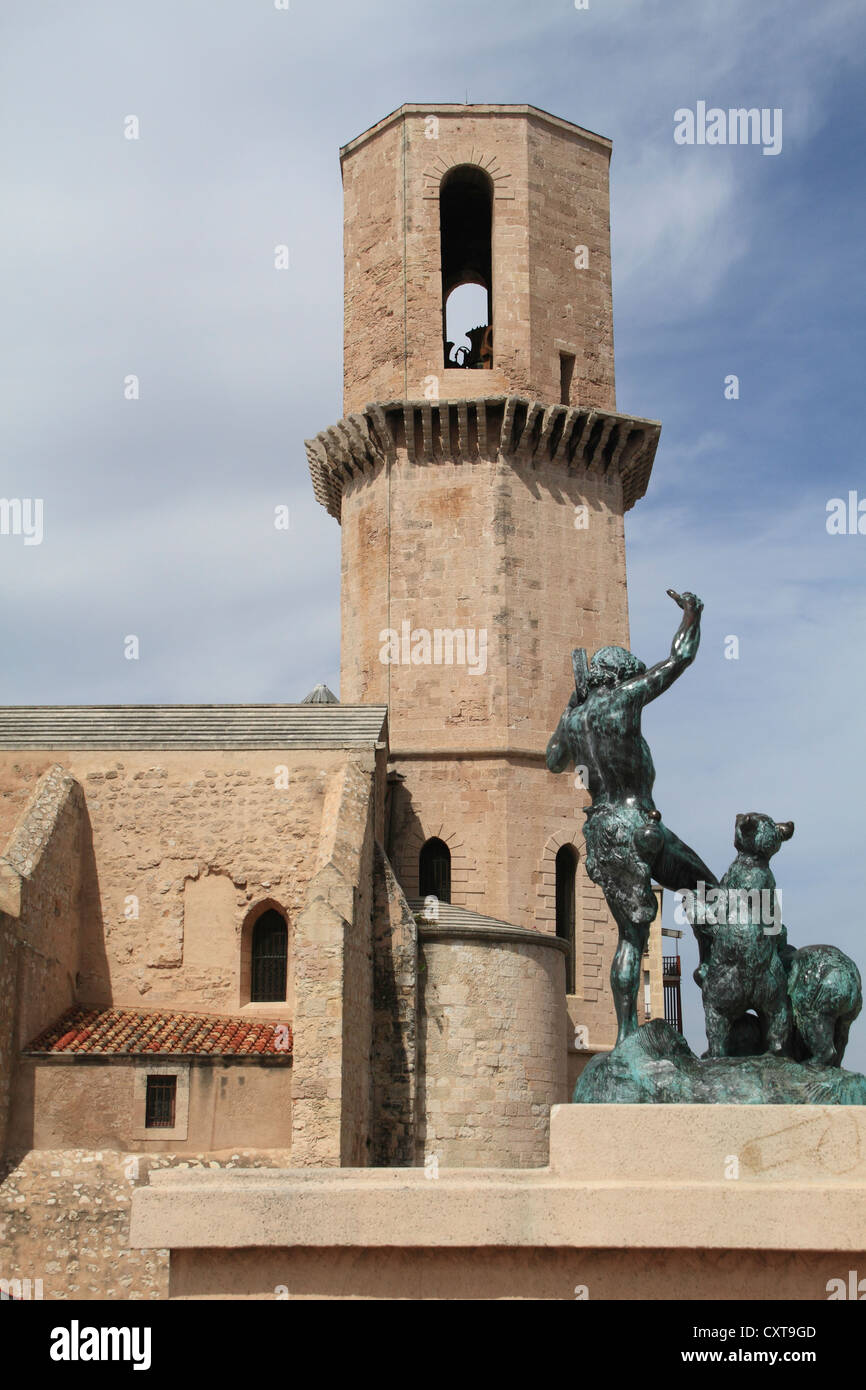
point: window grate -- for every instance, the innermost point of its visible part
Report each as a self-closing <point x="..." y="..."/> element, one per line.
<point x="270" y="951"/>
<point x="160" y="1102"/>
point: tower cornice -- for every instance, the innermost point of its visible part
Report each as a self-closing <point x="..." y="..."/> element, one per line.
<point x="579" y="439"/>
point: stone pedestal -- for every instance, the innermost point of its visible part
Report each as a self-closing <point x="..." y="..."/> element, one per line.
<point x="639" y="1202"/>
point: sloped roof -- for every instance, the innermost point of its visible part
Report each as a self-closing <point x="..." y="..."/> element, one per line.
<point x="452" y="920"/>
<point x="450" y="915"/>
<point x="191" y="726"/>
<point x="129" y="1032"/>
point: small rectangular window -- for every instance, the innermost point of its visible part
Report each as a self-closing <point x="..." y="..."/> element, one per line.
<point x="160" y="1104"/>
<point x="566" y="373"/>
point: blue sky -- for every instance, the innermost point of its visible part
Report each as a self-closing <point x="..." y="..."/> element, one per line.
<point x="155" y="257"/>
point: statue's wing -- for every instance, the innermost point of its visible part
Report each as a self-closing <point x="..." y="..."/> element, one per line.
<point x="580" y="666"/>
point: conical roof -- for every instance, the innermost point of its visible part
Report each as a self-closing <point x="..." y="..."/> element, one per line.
<point x="320" y="695"/>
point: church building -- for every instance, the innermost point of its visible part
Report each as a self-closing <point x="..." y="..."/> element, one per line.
<point x="356" y="932"/>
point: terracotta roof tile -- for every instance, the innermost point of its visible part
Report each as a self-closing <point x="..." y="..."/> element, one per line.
<point x="115" y="1032"/>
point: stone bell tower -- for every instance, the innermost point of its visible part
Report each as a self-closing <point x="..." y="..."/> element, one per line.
<point x="481" y="488"/>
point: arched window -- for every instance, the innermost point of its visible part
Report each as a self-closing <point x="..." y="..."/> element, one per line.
<point x="269" y="958"/>
<point x="434" y="870"/>
<point x="566" y="870"/>
<point x="465" y="228"/>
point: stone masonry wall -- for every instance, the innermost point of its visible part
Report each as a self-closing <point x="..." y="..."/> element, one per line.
<point x="550" y="194"/>
<point x="488" y="545"/>
<point x="46" y="876"/>
<point x="395" y="1020"/>
<point x="571" y="307"/>
<point x="86" y="1102"/>
<point x="492" y="1051"/>
<point x="8" y="1042"/>
<point x="64" y="1220"/>
<point x="166" y="825"/>
<point x="333" y="977"/>
<point x="357" y="1042"/>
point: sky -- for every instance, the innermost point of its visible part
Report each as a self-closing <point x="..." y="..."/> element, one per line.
<point x="154" y="258"/>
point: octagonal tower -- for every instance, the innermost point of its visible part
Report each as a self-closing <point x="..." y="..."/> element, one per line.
<point x="481" y="474"/>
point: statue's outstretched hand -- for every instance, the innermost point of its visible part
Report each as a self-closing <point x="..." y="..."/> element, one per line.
<point x="689" y="603"/>
<point x="687" y="636"/>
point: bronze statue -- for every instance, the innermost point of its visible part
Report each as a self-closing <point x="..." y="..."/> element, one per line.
<point x="777" y="1019"/>
<point x="628" y="845"/>
<point x="742" y="978"/>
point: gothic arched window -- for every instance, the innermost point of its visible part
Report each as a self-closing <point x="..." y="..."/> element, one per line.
<point x="434" y="870"/>
<point x="269" y="958"/>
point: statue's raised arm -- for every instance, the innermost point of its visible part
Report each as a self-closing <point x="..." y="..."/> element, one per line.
<point x="628" y="845"/>
<point x="652" y="683"/>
